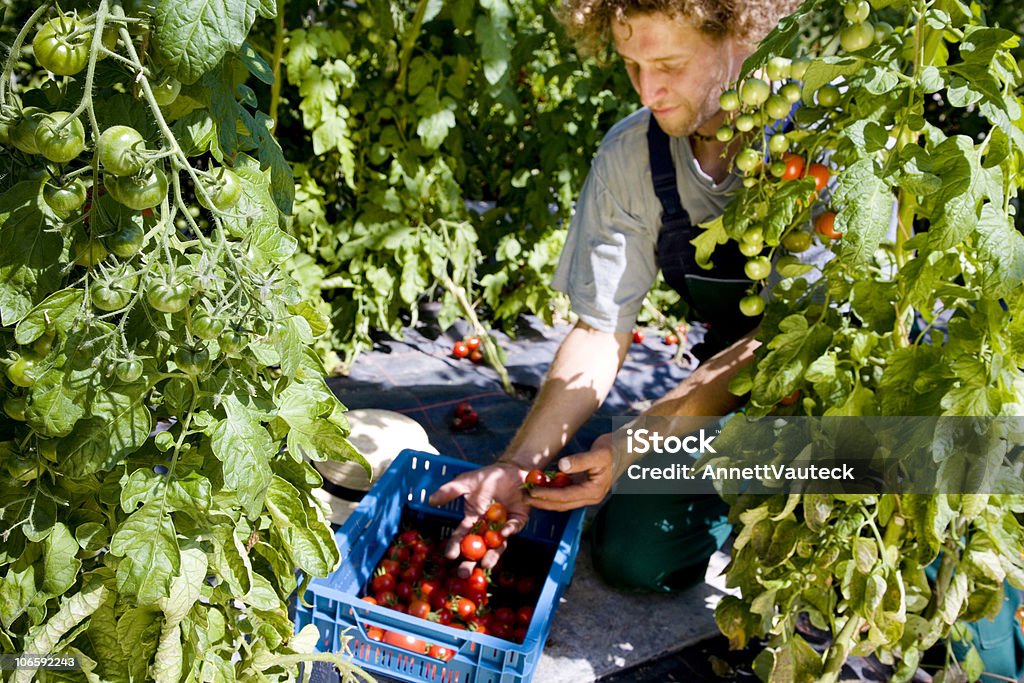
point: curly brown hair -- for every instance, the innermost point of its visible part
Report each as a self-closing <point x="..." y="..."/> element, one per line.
<point x="589" y="22"/>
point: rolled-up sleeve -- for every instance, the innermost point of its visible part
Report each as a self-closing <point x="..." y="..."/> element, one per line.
<point x="608" y="264"/>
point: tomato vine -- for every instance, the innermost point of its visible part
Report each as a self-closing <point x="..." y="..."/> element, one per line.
<point x="159" y="378"/>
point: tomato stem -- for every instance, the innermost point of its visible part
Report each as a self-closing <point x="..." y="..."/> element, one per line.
<point x="16" y="49"/>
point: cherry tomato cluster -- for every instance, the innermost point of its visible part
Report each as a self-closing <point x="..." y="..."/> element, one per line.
<point x="546" y="479"/>
<point x="465" y="417"/>
<point x="468" y="348"/>
<point x="485" y="534"/>
<point x="415" y="578"/>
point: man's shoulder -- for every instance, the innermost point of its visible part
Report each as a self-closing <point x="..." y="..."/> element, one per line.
<point x="624" y="146"/>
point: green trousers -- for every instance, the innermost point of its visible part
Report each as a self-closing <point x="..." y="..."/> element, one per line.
<point x="658" y="542"/>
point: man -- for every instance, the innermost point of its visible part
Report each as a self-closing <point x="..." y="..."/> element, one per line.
<point x="680" y="56"/>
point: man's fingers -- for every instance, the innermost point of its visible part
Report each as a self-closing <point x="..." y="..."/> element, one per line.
<point x="459" y="486"/>
<point x="568" y="498"/>
<point x="590" y="461"/>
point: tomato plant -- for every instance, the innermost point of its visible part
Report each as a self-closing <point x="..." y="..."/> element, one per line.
<point x="928" y="275"/>
<point x="151" y="454"/>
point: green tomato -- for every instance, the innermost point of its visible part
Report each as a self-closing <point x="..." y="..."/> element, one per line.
<point x="744" y="123"/>
<point x="856" y="11"/>
<point x="791" y="91"/>
<point x="779" y="68"/>
<point x="58" y="138"/>
<point x="223" y="187"/>
<point x="857" y="36"/>
<point x="778" y="144"/>
<point x="729" y="100"/>
<point x="64" y="199"/>
<point x="777" y="107"/>
<point x="233" y="342"/>
<point x="61" y="46"/>
<point x="748" y="160"/>
<point x="752" y="305"/>
<point x="777" y="168"/>
<point x="111" y="295"/>
<point x="799" y="67"/>
<point x="754" y="92"/>
<point x="126" y="241"/>
<point x="89" y="252"/>
<point x="828" y="95"/>
<point x="882" y="31"/>
<point x="23" y="135"/>
<point x="129" y="371"/>
<point x="23" y="372"/>
<point x="754" y="235"/>
<point x="166" y="91"/>
<point x="168" y="297"/>
<point x="724" y="134"/>
<point x="142" y="191"/>
<point x="797" y="241"/>
<point x="750" y="249"/>
<point x="207" y="327"/>
<point x="758" y="268"/>
<point x="42" y="345"/>
<point x="15" y="407"/>
<point x="120" y="150"/>
<point x="192" y="361"/>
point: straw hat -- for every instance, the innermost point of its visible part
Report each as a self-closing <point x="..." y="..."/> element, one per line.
<point x="379" y="436"/>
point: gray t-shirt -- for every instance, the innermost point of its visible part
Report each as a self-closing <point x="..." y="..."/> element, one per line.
<point x="609" y="263"/>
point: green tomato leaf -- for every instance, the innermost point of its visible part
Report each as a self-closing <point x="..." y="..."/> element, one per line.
<point x="20" y="585"/>
<point x="867" y="204"/>
<point x="301" y="407"/>
<point x="1000" y="251"/>
<point x="493" y="36"/>
<point x="958" y="202"/>
<point x="304" y="532"/>
<point x="245" y="448"/>
<point x="147" y="544"/>
<point x="193" y="36"/>
<point x="186" y="585"/>
<point x="30" y="262"/>
<point x="60" y="564"/>
<point x="56" y="312"/>
<point x="712" y="235"/>
<point x="55" y="408"/>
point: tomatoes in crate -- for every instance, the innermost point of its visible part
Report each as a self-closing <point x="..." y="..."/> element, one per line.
<point x="414" y="577"/>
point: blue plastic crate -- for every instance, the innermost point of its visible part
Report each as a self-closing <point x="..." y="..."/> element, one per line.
<point x="362" y="540"/>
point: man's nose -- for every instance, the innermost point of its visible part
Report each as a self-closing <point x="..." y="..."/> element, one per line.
<point x="650" y="86"/>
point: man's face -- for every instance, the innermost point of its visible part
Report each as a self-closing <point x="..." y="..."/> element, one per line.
<point x="677" y="70"/>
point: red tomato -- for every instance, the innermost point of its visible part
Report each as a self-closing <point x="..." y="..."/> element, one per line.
<point x="794" y="166"/>
<point x="497" y="513"/>
<point x="419" y="608"/>
<point x="473" y="343"/>
<point x="638" y="337"/>
<point x="464" y="608"/>
<point x="477" y="581"/>
<point x="476" y="356"/>
<point x="524" y="615"/>
<point x="441" y="652"/>
<point x="409" y="536"/>
<point x="460" y="350"/>
<point x="505" y="615"/>
<point x="671" y="338"/>
<point x="526" y="585"/>
<point x="473" y="547"/>
<point x="560" y="480"/>
<point x="791" y="399"/>
<point x="382" y="583"/>
<point x="389" y="566"/>
<point x="821" y="174"/>
<point x="370" y="599"/>
<point x="536" y="478"/>
<point x="825" y="226"/>
<point x="411" y="643"/>
<point x="375" y="633"/>
<point x="404" y="591"/>
<point x="462" y="408"/>
<point x="493" y="539"/>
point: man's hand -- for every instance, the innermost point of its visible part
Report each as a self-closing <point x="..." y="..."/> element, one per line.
<point x="500" y="482"/>
<point x="594" y="473"/>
